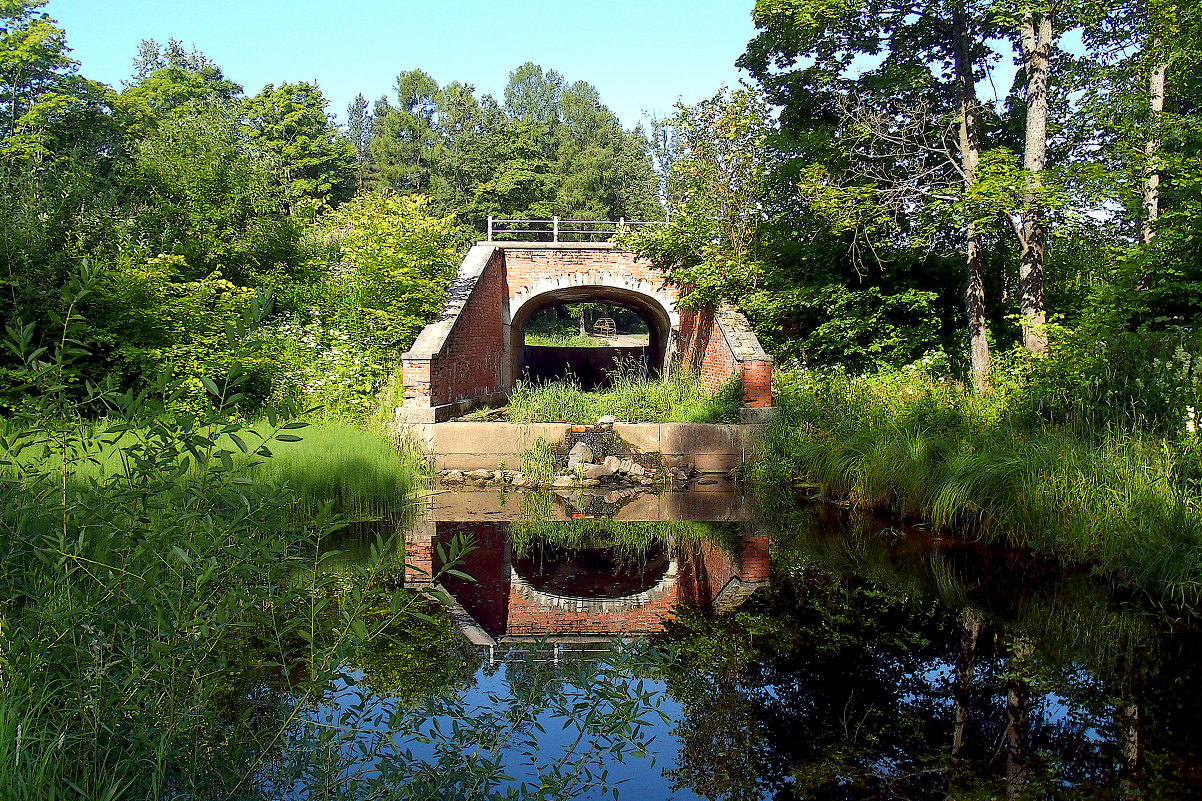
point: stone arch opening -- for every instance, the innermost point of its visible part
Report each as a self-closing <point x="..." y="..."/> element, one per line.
<point x="591" y="365"/>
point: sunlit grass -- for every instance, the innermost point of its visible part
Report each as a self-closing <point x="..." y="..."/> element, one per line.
<point x="633" y="397"/>
<point x="358" y="472"/>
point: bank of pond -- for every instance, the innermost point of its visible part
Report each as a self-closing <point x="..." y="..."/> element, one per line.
<point x="803" y="650"/>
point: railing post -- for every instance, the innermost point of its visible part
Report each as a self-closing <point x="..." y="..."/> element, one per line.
<point x="489" y="228"/>
<point x="555" y="229"/>
<point x="621" y="225"/>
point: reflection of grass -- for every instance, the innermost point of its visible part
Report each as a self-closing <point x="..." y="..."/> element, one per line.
<point x="632" y="397"/>
<point x="626" y="536"/>
<point x="1070" y="613"/>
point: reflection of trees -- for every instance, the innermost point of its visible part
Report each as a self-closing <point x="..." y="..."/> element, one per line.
<point x="834" y="687"/>
<point x="417" y="659"/>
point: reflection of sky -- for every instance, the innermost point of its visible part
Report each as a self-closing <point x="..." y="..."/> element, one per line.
<point x="637" y="778"/>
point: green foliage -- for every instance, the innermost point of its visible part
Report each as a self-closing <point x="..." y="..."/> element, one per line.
<point x="395" y="264"/>
<point x="170" y="78"/>
<point x="711" y="242"/>
<point x="291" y="122"/>
<point x="150" y="319"/>
<point x="208" y="195"/>
<point x="36" y="74"/>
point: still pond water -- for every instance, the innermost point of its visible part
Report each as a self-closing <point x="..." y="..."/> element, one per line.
<point x="710" y="645"/>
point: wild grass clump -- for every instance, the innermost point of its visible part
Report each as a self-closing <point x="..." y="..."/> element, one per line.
<point x="926" y="448"/>
<point x="365" y="474"/>
<point x="633" y="397"/>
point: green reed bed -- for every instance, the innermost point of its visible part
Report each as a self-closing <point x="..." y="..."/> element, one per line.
<point x="364" y="473"/>
<point x="927" y="449"/>
<point x="633" y="397"/>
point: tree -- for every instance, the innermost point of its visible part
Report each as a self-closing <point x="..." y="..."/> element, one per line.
<point x="206" y="193"/>
<point x="898" y="145"/>
<point x="37" y="77"/>
<point x="711" y="244"/>
<point x="396" y="263"/>
<point x="533" y="96"/>
<point x="170" y="77"/>
<point x="291" y="122"/>
<point x="359" y="126"/>
<point x="406" y="146"/>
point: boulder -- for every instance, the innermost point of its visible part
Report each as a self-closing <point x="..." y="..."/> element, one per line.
<point x="580" y="454"/>
<point x="452" y="477"/>
<point x="482" y="475"/>
<point x="563" y="481"/>
<point x="634" y="468"/>
<point x="518" y="479"/>
<point x="606" y="422"/>
<point x="613" y="463"/>
<point x="597" y="470"/>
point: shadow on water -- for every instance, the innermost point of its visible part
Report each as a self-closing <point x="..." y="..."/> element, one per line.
<point x="774" y="650"/>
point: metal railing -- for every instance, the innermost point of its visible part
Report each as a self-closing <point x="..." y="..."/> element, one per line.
<point x="560" y="230"/>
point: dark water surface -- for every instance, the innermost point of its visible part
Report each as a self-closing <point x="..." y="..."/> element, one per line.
<point x="708" y="645"/>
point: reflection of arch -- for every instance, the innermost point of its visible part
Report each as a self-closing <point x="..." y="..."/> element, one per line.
<point x="647" y="300"/>
<point x="521" y="587"/>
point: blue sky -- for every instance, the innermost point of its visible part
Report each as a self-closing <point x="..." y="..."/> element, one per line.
<point x="641" y="55"/>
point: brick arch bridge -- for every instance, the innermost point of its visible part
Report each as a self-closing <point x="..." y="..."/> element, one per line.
<point x="472" y="354"/>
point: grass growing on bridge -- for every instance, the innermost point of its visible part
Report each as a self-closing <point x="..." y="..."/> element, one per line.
<point x="633" y="397"/>
<point x="574" y="340"/>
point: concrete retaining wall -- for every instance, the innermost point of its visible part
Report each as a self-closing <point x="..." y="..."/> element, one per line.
<point x="708" y="447"/>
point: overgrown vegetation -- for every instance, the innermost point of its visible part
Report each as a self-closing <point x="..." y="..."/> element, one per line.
<point x="633" y="396"/>
<point x="925" y="448"/>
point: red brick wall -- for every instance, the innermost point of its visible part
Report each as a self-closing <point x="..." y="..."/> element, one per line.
<point x="472" y="360"/>
<point x="525" y="267"/>
<point x="528" y="618"/>
<point x="704" y="348"/>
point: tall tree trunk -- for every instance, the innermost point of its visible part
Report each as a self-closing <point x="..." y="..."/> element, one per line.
<point x="1151" y="189"/>
<point x="970" y="153"/>
<point x="1037" y="51"/>
<point x="1018" y="719"/>
<point x="966" y="657"/>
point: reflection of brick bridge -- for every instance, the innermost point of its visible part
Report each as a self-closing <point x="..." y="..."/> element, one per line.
<point x="502" y="602"/>
<point x="473" y="352"/>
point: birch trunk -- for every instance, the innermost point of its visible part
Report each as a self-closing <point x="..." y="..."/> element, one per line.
<point x="970" y="153"/>
<point x="1037" y="50"/>
<point x="1151" y="189"/>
